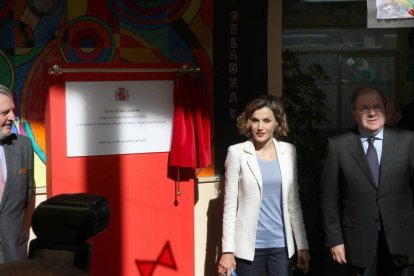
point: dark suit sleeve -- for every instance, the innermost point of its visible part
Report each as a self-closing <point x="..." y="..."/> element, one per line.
<point x="30" y="198"/>
<point x="330" y="197"/>
<point x="412" y="166"/>
<point x="30" y="154"/>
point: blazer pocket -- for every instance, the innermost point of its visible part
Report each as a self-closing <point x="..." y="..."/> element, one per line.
<point x="23" y="171"/>
<point x="408" y="218"/>
<point x="348" y="222"/>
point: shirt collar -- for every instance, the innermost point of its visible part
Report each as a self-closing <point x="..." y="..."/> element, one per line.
<point x="378" y="136"/>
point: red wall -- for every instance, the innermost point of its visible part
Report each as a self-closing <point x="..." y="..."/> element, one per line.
<point x="147" y="234"/>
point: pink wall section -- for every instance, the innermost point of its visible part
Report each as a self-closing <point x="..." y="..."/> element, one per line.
<point x="147" y="234"/>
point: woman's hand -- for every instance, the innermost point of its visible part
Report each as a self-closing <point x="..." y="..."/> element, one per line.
<point x="227" y="264"/>
<point x="303" y="260"/>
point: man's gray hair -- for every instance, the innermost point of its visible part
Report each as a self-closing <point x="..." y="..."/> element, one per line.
<point x="5" y="91"/>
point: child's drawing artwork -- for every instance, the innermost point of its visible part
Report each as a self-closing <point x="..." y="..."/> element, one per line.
<point x="389" y="9"/>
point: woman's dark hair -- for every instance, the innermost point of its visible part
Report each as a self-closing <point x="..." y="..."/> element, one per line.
<point x="244" y="119"/>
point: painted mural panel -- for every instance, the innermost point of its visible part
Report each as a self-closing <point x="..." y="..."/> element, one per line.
<point x="36" y="34"/>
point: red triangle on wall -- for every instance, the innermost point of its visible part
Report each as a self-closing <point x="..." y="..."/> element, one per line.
<point x="166" y="257"/>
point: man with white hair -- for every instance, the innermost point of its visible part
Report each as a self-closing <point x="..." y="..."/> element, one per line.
<point x="16" y="183"/>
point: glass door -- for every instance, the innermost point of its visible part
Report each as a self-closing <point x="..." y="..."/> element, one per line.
<point x="379" y="70"/>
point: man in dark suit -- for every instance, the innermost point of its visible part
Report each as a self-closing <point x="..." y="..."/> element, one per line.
<point x="368" y="208"/>
<point x="16" y="183"/>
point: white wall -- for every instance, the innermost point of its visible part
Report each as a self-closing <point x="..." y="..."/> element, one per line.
<point x="207" y="226"/>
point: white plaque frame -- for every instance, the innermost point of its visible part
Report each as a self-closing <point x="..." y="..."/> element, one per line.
<point x="118" y="117"/>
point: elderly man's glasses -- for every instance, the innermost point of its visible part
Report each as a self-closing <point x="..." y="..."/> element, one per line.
<point x="364" y="109"/>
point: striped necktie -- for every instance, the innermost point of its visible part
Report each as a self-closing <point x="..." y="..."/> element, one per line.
<point x="372" y="158"/>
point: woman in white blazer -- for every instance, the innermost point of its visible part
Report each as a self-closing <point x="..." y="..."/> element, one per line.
<point x="262" y="221"/>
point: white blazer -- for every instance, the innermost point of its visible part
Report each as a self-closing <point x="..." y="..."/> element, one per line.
<point x="243" y="196"/>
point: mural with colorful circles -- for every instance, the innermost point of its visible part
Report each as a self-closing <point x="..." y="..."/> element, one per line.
<point x="36" y="34"/>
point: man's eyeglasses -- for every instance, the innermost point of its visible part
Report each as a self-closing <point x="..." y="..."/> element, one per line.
<point x="366" y="109"/>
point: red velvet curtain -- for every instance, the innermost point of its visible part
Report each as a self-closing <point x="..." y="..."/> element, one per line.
<point x="190" y="144"/>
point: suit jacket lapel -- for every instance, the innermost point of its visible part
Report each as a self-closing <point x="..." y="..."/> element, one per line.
<point x="355" y="149"/>
<point x="11" y="162"/>
<point x="252" y="162"/>
<point x="388" y="154"/>
<point x="282" y="159"/>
